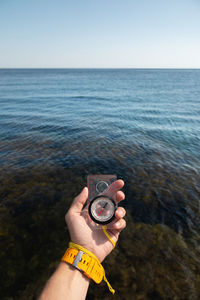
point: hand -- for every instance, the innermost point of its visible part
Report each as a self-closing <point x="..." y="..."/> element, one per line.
<point x="84" y="233"/>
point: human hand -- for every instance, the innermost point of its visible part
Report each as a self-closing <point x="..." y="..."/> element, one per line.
<point x="85" y="234"/>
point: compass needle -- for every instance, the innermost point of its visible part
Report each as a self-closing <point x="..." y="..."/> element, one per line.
<point x="102" y="209"/>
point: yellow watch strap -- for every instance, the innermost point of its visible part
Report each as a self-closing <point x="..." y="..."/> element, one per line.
<point x="86" y="261"/>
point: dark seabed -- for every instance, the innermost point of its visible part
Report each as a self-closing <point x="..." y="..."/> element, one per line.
<point x="58" y="126"/>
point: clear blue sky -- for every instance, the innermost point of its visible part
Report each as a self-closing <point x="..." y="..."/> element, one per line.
<point x="100" y="33"/>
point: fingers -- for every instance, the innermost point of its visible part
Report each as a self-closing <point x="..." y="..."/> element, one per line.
<point x="119" y="223"/>
<point x="120" y="213"/>
<point x="114" y="187"/>
<point x="119" y="196"/>
<point x="116" y="228"/>
<point x="79" y="201"/>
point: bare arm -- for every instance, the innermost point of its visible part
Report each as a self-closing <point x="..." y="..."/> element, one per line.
<point x="68" y="283"/>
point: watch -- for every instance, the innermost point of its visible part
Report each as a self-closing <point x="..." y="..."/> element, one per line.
<point x="84" y="263"/>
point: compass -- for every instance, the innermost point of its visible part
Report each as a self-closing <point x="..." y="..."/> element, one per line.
<point x="102" y="209"/>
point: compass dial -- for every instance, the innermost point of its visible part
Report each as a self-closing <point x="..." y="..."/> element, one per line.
<point x="102" y="209"/>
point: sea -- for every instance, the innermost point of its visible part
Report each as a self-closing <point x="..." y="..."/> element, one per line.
<point x="141" y="124"/>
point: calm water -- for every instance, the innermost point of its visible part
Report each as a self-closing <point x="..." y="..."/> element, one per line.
<point x="155" y="109"/>
<point x="143" y="125"/>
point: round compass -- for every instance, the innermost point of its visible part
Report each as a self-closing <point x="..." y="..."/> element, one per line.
<point x="102" y="209"/>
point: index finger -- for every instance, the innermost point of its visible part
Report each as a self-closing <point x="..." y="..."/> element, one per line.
<point x="114" y="188"/>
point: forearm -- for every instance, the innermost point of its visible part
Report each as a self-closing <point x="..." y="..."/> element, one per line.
<point x="65" y="284"/>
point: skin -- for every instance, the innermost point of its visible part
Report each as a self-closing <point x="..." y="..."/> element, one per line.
<point x="68" y="283"/>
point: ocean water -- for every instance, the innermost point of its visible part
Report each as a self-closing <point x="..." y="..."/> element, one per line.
<point x="157" y="109"/>
<point x="141" y="124"/>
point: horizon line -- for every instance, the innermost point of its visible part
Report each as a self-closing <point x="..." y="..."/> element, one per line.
<point x="103" y="68"/>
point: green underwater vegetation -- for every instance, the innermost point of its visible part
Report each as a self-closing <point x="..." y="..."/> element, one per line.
<point x="152" y="260"/>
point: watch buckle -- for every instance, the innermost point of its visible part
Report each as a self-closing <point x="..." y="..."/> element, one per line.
<point x="78" y="259"/>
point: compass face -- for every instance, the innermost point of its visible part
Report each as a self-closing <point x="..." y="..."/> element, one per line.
<point x="102" y="210"/>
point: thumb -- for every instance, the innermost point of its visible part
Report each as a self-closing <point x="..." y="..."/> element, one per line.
<point x="79" y="201"/>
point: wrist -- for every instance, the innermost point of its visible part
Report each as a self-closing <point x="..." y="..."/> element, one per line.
<point x="85" y="262"/>
<point x="74" y="273"/>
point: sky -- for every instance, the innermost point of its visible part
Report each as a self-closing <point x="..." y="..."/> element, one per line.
<point x="100" y="34"/>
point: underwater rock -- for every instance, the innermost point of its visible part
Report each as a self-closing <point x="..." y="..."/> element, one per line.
<point x="151" y="261"/>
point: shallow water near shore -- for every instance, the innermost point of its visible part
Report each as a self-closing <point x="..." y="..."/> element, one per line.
<point x="57" y="126"/>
